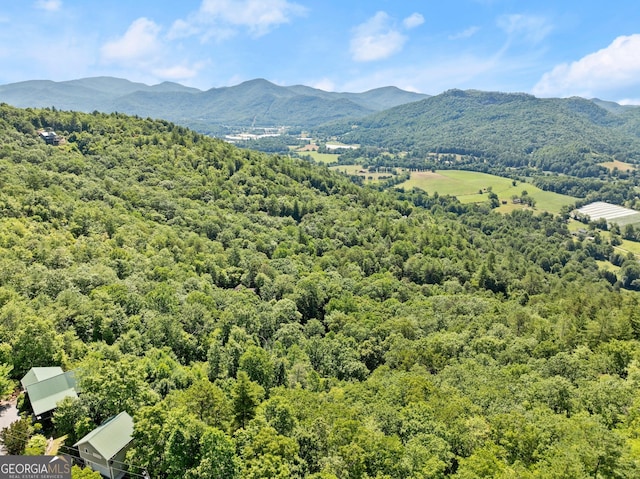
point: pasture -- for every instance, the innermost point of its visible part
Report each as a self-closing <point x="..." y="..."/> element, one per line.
<point x="325" y="158"/>
<point x="473" y="187"/>
<point x="619" y="165"/>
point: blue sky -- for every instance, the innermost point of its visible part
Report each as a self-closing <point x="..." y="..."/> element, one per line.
<point x="551" y="48"/>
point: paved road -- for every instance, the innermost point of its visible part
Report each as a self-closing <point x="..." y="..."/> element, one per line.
<point x="8" y="414"/>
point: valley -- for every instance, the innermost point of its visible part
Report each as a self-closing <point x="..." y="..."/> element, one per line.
<point x="421" y="305"/>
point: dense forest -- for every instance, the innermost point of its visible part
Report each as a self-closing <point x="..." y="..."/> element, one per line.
<point x="262" y="317"/>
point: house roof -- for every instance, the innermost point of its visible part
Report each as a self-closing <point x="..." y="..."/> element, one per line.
<point x="45" y="394"/>
<point x="35" y="375"/>
<point x="111" y="437"/>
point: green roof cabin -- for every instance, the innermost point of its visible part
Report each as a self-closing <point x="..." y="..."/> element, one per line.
<point x="104" y="448"/>
<point x="46" y="387"/>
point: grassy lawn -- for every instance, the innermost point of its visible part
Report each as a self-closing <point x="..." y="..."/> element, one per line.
<point x="326" y="158"/>
<point x="629" y="247"/>
<point x="574" y="225"/>
<point x="466" y="185"/>
<point x="608" y="266"/>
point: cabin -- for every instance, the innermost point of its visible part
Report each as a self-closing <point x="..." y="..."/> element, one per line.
<point x="46" y="386"/>
<point x="49" y="137"/>
<point x="104" y="448"/>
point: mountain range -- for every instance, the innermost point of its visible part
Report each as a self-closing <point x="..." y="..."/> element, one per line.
<point x="256" y="102"/>
<point x="567" y="135"/>
<point x="514" y="129"/>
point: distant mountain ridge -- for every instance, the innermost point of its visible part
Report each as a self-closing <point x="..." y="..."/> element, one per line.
<point x="513" y="129"/>
<point x="256" y="102"/>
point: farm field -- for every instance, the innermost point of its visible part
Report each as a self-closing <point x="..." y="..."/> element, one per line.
<point x="326" y="158"/>
<point x="466" y="185"/>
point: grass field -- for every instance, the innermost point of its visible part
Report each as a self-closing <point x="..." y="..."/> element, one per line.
<point x="629" y="247"/>
<point x="608" y="266"/>
<point x="620" y="165"/>
<point x="466" y="185"/>
<point x="326" y="158"/>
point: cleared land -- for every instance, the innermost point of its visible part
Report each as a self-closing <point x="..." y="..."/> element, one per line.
<point x="466" y="185"/>
<point x="326" y="158"/>
<point x="620" y="165"/>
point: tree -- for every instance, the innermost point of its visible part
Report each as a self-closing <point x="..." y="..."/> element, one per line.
<point x="16" y="436"/>
<point x="35" y="344"/>
<point x="218" y="458"/>
<point x="36" y="446"/>
<point x="111" y="386"/>
<point x="7" y="386"/>
<point x="245" y="395"/>
<point x="78" y="472"/>
<point x="278" y="413"/>
<point x="265" y="453"/>
<point x="68" y="413"/>
<point x="257" y="363"/>
<point x="207" y="401"/>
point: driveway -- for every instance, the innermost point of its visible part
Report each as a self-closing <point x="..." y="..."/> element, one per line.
<point x="8" y="414"/>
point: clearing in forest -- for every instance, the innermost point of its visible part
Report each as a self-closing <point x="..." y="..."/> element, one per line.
<point x="474" y="187"/>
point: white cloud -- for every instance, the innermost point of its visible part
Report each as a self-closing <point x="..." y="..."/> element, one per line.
<point x="178" y="72"/>
<point x="49" y="5"/>
<point x="412" y="21"/>
<point x="324" y="84"/>
<point x="614" y="67"/>
<point x="630" y="101"/>
<point x="376" y="39"/>
<point x="467" y="33"/>
<point x="139" y="43"/>
<point x="221" y="18"/>
<point x="143" y="52"/>
<point x="530" y="28"/>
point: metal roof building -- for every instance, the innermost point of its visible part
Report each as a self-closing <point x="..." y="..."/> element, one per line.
<point x="47" y="386"/>
<point x="104" y="448"/>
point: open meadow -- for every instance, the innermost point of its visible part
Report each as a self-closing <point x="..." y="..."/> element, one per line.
<point x="473" y="187"/>
<point x="619" y="165"/>
<point x="325" y="158"/>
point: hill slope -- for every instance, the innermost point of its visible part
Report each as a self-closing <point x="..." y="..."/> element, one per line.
<point x="257" y="102"/>
<point x="260" y="316"/>
<point x="511" y="129"/>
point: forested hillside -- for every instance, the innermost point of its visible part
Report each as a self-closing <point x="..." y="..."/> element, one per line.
<point x="259" y="316"/>
<point x="569" y="136"/>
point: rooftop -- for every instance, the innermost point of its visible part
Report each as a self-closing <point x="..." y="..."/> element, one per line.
<point x="111" y="437"/>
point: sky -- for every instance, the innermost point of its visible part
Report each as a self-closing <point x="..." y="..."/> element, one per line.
<point x="549" y="48"/>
